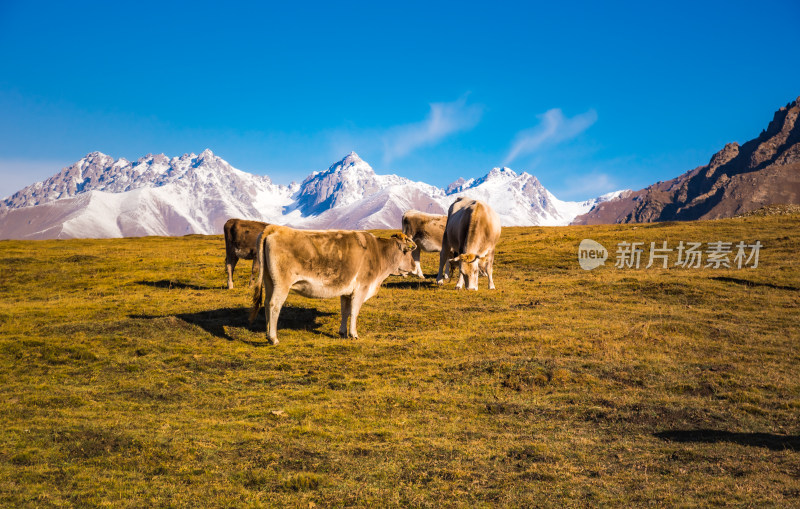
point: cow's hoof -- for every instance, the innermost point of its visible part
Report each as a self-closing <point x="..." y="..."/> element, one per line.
<point x="272" y="341"/>
<point x="343" y="335"/>
<point x="439" y="282"/>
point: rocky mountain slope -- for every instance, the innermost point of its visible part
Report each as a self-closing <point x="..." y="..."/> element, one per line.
<point x="738" y="179"/>
<point x="155" y="195"/>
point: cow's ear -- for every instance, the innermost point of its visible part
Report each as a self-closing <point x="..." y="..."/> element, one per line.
<point x="408" y="244"/>
<point x="468" y="258"/>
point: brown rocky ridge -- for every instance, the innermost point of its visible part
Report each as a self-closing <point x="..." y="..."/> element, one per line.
<point x="738" y="179"/>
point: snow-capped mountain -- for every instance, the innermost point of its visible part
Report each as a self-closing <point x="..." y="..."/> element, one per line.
<point x="521" y="200"/>
<point x="102" y="197"/>
<point x="345" y="183"/>
<point x="350" y="194"/>
<point x="517" y="199"/>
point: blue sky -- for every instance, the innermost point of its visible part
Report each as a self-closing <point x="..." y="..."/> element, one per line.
<point x="589" y="97"/>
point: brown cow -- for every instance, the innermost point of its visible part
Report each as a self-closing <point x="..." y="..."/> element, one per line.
<point x="325" y="264"/>
<point x="240" y="242"/>
<point x="426" y="230"/>
<point x="470" y="236"/>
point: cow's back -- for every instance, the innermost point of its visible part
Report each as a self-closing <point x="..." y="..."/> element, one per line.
<point x="426" y="230"/>
<point x="312" y="259"/>
<point x="472" y="226"/>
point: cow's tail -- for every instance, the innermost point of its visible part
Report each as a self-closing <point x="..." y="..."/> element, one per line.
<point x="258" y="287"/>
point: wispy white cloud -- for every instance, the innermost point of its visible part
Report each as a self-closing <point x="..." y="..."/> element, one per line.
<point x="443" y="120"/>
<point x="552" y="129"/>
<point x="583" y="187"/>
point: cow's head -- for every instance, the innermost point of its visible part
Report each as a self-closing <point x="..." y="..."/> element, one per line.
<point x="405" y="245"/>
<point x="469" y="265"/>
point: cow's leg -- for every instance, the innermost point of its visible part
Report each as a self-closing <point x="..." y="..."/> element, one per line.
<point x="460" y="283"/>
<point x="254" y="271"/>
<point x="275" y="297"/>
<point x="444" y="257"/>
<point x="415" y="254"/>
<point x="230" y="264"/>
<point x="356" y="300"/>
<point x="346" y="301"/>
<point x="489" y="265"/>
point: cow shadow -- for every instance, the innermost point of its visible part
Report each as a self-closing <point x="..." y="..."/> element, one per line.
<point x="215" y="321"/>
<point x="713" y="436"/>
<point x="411" y="283"/>
<point x="747" y="282"/>
<point x="294" y="318"/>
<point x="169" y="284"/>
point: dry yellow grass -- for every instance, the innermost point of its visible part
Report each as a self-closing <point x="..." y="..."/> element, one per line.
<point x="130" y="377"/>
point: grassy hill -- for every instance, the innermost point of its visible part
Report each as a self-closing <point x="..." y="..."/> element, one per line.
<point x="129" y="377"/>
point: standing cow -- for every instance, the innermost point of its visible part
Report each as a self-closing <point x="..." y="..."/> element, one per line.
<point x="470" y="236"/>
<point x="324" y="264"/>
<point x="426" y="230"/>
<point x="240" y="242"/>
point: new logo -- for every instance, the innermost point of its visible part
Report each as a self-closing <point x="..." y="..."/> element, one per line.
<point x="591" y="254"/>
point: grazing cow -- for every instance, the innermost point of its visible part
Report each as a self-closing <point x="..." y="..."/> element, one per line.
<point x="470" y="236"/>
<point x="325" y="264"/>
<point x="240" y="242"/>
<point x="426" y="230"/>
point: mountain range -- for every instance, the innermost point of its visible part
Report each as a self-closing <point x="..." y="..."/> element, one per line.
<point x="99" y="196"/>
<point x="737" y="180"/>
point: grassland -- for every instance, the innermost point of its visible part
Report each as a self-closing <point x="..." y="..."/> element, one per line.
<point x="129" y="377"/>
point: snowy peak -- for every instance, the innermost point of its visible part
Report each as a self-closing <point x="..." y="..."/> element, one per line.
<point x="458" y="185"/>
<point x="496" y="176"/>
<point x="350" y="162"/>
<point x="499" y="179"/>
<point x="350" y="165"/>
<point x="207" y="158"/>
<point x="350" y="159"/>
<point x="501" y="173"/>
<point x="153" y="160"/>
<point x="342" y="184"/>
<point x="95" y="159"/>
